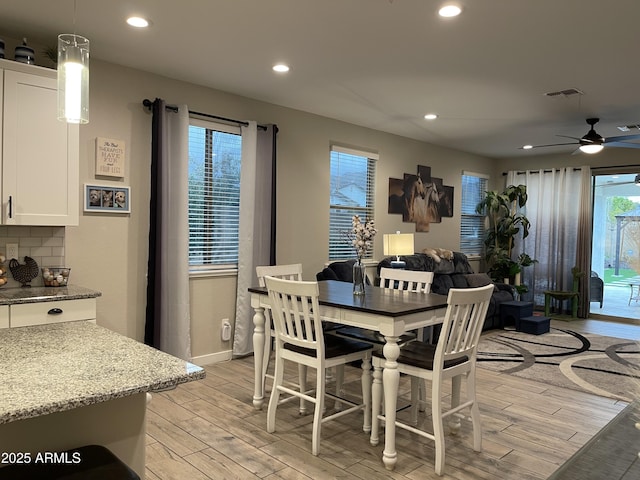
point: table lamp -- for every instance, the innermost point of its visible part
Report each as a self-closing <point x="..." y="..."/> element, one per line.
<point x="398" y="244"/>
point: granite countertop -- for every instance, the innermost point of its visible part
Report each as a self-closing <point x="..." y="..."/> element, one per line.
<point x="12" y="296"/>
<point x="58" y="367"/>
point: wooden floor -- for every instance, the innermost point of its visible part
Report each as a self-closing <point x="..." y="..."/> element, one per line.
<point x="209" y="429"/>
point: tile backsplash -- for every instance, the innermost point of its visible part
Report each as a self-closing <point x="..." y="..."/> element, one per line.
<point x="44" y="244"/>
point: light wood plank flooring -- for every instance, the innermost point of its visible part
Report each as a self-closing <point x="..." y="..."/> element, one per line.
<point x="209" y="430"/>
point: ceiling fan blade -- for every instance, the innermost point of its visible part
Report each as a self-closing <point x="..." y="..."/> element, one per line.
<point x="622" y="144"/>
<point x="567" y="136"/>
<point x="550" y="145"/>
<point x="622" y="138"/>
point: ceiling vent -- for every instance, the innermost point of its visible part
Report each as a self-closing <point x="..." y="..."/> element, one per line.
<point x="565" y="93"/>
<point x="628" y="128"/>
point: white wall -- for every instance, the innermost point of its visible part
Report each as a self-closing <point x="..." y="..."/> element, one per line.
<point x="109" y="252"/>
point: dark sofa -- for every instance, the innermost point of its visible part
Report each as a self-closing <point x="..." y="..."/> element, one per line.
<point x="453" y="270"/>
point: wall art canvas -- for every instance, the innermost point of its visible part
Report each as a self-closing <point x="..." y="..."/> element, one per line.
<point x="420" y="198"/>
<point x="107" y="198"/>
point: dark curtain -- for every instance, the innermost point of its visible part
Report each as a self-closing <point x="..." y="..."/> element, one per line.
<point x="152" y="328"/>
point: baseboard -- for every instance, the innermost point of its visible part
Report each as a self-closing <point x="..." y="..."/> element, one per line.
<point x="212" y="358"/>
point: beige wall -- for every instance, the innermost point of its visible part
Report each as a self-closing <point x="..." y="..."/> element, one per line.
<point x="109" y="252"/>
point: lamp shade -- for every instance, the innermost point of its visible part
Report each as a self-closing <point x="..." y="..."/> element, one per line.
<point x="398" y="244"/>
<point x="73" y="78"/>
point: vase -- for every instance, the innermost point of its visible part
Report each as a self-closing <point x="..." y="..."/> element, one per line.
<point x="359" y="276"/>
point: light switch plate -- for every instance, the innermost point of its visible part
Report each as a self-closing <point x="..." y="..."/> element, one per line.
<point x="12" y="251"/>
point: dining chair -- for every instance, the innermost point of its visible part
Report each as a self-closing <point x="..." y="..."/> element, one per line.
<point x="291" y="271"/>
<point x="300" y="338"/>
<point x="453" y="357"/>
<point x="394" y="279"/>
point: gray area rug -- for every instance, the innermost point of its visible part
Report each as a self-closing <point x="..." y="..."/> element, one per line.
<point x="604" y="366"/>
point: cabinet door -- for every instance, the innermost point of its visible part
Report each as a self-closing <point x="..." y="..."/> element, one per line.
<point x="40" y="155"/>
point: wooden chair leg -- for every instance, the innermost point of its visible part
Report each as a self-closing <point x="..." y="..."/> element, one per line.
<point x="438" y="427"/>
<point x="302" y="381"/>
<point x="317" y="414"/>
<point x="278" y="377"/>
<point x="376" y="401"/>
<point x="366" y="394"/>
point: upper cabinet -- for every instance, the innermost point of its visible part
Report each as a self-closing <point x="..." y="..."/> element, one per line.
<point x="40" y="171"/>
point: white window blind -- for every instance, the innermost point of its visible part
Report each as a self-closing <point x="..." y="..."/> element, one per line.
<point x="472" y="227"/>
<point x="214" y="194"/>
<point x="352" y="193"/>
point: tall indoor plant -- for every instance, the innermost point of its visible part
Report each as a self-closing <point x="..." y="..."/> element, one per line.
<point x="506" y="222"/>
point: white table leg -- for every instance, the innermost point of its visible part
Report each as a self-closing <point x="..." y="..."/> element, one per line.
<point x="390" y="382"/>
<point x="258" y="354"/>
<point x="366" y="393"/>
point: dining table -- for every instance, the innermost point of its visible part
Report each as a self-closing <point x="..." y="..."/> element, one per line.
<point x="388" y="311"/>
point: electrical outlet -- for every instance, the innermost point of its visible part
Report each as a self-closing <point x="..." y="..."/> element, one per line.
<point x="12" y="251"/>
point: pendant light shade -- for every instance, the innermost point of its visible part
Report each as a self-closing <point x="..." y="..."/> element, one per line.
<point x="73" y="78"/>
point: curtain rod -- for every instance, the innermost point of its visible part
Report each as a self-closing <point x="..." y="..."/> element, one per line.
<point x="148" y="103"/>
<point x="575" y="169"/>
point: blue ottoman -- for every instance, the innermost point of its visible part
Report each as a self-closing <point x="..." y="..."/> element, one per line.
<point x="534" y="325"/>
<point x="512" y="311"/>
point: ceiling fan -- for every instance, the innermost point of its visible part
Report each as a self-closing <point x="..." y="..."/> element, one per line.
<point x="593" y="142"/>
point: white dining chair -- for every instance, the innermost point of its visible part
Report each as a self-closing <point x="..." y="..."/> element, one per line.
<point x="396" y="279"/>
<point x="300" y="338"/>
<point x="453" y="357"/>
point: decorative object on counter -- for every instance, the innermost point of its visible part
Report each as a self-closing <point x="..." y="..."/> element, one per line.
<point x="24" y="53"/>
<point x="107" y="198"/>
<point x="55" y="276"/>
<point x="3" y="270"/>
<point x="24" y="273"/>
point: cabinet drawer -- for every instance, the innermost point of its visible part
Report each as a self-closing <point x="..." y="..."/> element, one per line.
<point x="41" y="313"/>
<point x="4" y="316"/>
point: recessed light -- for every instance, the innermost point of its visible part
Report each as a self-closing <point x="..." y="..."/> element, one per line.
<point x="450" y="10"/>
<point x="281" y="68"/>
<point x="138" y="22"/>
<point x="527" y="147"/>
<point x="430" y="116"/>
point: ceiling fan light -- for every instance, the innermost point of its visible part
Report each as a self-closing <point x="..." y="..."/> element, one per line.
<point x="591" y="149"/>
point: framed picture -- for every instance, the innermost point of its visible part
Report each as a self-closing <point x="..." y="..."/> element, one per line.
<point x="107" y="198"/>
<point x="110" y="157"/>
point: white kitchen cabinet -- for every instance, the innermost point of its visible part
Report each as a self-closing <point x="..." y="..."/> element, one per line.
<point x="40" y="170"/>
<point x="41" y="313"/>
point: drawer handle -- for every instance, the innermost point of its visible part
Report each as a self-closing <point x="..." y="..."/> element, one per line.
<point x="55" y="311"/>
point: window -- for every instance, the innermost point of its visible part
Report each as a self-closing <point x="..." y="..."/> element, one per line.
<point x="474" y="186"/>
<point x="214" y="195"/>
<point x="352" y="193"/>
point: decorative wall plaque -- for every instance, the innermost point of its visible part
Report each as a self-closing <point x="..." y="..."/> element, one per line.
<point x="110" y="157"/>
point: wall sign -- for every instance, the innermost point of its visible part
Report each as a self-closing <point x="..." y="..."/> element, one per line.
<point x="110" y="157"/>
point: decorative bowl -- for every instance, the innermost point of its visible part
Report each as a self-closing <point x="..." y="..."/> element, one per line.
<point x="56" y="276"/>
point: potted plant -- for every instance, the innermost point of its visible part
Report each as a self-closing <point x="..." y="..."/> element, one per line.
<point x="505" y="223"/>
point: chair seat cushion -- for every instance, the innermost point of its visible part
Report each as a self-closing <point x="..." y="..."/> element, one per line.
<point x="371" y="336"/>
<point x="419" y="354"/>
<point x="334" y="346"/>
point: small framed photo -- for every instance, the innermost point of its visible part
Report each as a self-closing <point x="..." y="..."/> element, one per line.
<point x="107" y="198"/>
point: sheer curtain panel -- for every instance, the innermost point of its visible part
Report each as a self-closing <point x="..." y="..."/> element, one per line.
<point x="257" y="224"/>
<point x="559" y="209"/>
<point x="167" y="315"/>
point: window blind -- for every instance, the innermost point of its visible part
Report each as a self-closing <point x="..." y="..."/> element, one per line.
<point x="472" y="227"/>
<point x="214" y="194"/>
<point x="352" y="184"/>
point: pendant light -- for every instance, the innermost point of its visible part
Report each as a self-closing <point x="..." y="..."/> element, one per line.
<point x="73" y="76"/>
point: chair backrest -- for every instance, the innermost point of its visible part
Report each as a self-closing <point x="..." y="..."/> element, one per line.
<point x="463" y="321"/>
<point x="292" y="305"/>
<point x="291" y="271"/>
<point x="412" y="280"/>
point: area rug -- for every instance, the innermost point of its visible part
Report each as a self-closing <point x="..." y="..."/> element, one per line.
<point x="604" y="366"/>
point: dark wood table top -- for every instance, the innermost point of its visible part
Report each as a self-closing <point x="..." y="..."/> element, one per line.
<point x="376" y="300"/>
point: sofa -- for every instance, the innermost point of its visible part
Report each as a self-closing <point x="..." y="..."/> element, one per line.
<point x="452" y="269"/>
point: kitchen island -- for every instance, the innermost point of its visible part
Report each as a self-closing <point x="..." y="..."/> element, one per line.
<point x="70" y="384"/>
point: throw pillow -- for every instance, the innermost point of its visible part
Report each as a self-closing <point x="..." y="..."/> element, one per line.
<point x="475" y="280"/>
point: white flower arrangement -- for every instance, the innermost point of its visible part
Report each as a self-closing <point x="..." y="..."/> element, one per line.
<point x="361" y="236"/>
